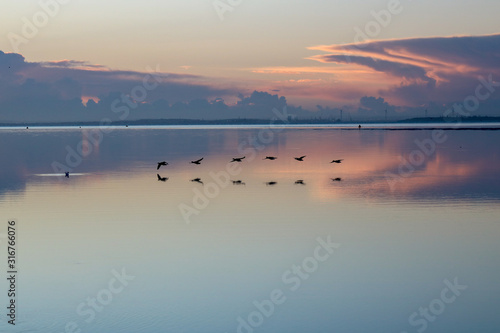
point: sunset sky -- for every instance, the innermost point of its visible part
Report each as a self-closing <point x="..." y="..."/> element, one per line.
<point x="362" y="56"/>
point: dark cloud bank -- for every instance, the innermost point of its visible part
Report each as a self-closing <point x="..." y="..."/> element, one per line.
<point x="434" y="73"/>
<point x="55" y="91"/>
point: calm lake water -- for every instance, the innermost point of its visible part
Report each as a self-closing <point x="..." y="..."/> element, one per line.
<point x="402" y="236"/>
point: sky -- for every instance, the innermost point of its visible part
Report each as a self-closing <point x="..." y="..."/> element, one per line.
<point x="364" y="57"/>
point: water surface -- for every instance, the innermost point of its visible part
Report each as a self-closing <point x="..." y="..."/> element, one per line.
<point x="407" y="214"/>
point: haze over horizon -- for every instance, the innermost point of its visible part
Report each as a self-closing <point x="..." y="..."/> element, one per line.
<point x="82" y="61"/>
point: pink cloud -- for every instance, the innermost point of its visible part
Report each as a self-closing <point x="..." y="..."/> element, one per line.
<point x="434" y="69"/>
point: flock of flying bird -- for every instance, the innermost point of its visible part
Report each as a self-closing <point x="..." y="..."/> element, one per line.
<point x="239" y="160"/>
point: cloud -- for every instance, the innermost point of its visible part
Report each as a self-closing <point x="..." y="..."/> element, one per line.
<point x="433" y="69"/>
<point x="404" y="76"/>
<point x="473" y="52"/>
<point x="71" y="64"/>
<point x="53" y="91"/>
<point x="370" y="106"/>
<point x="403" y="70"/>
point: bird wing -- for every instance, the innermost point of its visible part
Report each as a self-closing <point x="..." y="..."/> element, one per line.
<point x="158" y="167"/>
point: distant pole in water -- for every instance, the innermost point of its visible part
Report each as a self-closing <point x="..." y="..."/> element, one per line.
<point x="66" y="174"/>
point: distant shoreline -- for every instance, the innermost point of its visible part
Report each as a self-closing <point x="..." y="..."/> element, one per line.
<point x="239" y="121"/>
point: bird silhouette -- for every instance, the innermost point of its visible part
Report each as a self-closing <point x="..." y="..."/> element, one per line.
<point x="238" y="159"/>
<point x="197" y="180"/>
<point x="66" y="174"/>
<point x="300" y="182"/>
<point x="271" y="183"/>
<point x="337" y="179"/>
<point x="301" y="159"/>
<point x="160" y="164"/>
<point x="272" y="158"/>
<point x="161" y="179"/>
<point x="197" y="161"/>
<point x="238" y="182"/>
<point x="337" y="161"/>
